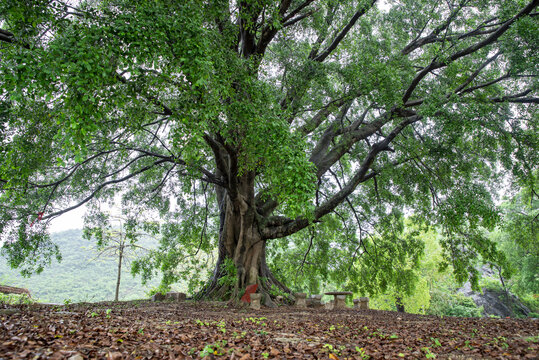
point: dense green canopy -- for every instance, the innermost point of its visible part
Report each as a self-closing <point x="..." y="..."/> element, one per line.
<point x="239" y="123"/>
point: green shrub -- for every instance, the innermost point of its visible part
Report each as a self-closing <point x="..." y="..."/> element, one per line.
<point x="531" y="301"/>
<point x="163" y="289"/>
<point x="490" y="283"/>
<point x="533" y="315"/>
<point x="13" y="299"/>
<point x="464" y="310"/>
<point x="446" y="304"/>
<point x="231" y="277"/>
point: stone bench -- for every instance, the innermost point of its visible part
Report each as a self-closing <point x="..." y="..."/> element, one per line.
<point x="171" y="296"/>
<point x="175" y="296"/>
<point x="301" y="300"/>
<point x="315" y="301"/>
<point x="339" y="301"/>
<point x="14" y="290"/>
<point x="362" y="303"/>
<point x="255" y="301"/>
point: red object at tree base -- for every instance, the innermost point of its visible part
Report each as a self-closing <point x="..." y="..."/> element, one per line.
<point x="251" y="289"/>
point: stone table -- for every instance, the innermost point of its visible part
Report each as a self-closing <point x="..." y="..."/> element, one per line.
<point x="340" y="298"/>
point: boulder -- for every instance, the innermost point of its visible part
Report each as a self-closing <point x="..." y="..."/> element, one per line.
<point x="495" y="302"/>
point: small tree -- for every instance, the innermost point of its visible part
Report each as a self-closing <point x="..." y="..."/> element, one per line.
<point x="117" y="237"/>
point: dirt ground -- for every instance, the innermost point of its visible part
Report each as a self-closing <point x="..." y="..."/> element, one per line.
<point x="145" y="330"/>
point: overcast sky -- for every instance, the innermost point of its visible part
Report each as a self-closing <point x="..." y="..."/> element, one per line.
<point x="69" y="220"/>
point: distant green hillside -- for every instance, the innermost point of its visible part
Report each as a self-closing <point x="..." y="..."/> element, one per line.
<point x="79" y="277"/>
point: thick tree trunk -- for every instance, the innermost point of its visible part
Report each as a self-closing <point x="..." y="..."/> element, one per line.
<point x="240" y="241"/>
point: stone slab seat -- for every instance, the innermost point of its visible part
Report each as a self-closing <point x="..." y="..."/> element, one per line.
<point x="362" y="303"/>
<point x="175" y="296"/>
<point x="301" y="300"/>
<point x="315" y="301"/>
<point x="14" y="290"/>
<point x="255" y="301"/>
<point x="340" y="298"/>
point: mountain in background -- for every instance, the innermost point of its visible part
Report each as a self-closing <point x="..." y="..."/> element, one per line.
<point x="80" y="276"/>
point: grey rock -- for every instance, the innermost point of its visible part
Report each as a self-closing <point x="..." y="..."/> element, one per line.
<point x="329" y="305"/>
<point x="364" y="303"/>
<point x="339" y="302"/>
<point x="499" y="304"/>
<point x="496" y="303"/>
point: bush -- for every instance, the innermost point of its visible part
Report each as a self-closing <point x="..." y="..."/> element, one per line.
<point x="464" y="310"/>
<point x="163" y="289"/>
<point x="13" y="299"/>
<point x="531" y="301"/>
<point x="445" y="304"/>
<point x="533" y="315"/>
<point x="490" y="283"/>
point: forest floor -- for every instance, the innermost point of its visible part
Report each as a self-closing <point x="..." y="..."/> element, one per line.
<point x="146" y="330"/>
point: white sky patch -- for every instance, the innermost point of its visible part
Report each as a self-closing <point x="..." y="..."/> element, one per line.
<point x="384" y="5"/>
<point x="73" y="219"/>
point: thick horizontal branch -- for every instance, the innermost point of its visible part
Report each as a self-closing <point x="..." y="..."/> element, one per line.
<point x="324" y="159"/>
<point x="281" y="227"/>
<point x="321" y="116"/>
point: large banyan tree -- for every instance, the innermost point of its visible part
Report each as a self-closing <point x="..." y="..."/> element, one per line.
<point x="236" y="122"/>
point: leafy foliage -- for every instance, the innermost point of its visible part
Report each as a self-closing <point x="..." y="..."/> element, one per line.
<point x="448" y="304"/>
<point x="518" y="238"/>
<point x="15" y="299"/>
<point x="248" y="122"/>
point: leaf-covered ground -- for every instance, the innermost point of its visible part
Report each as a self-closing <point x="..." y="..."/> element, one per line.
<point x="144" y="330"/>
